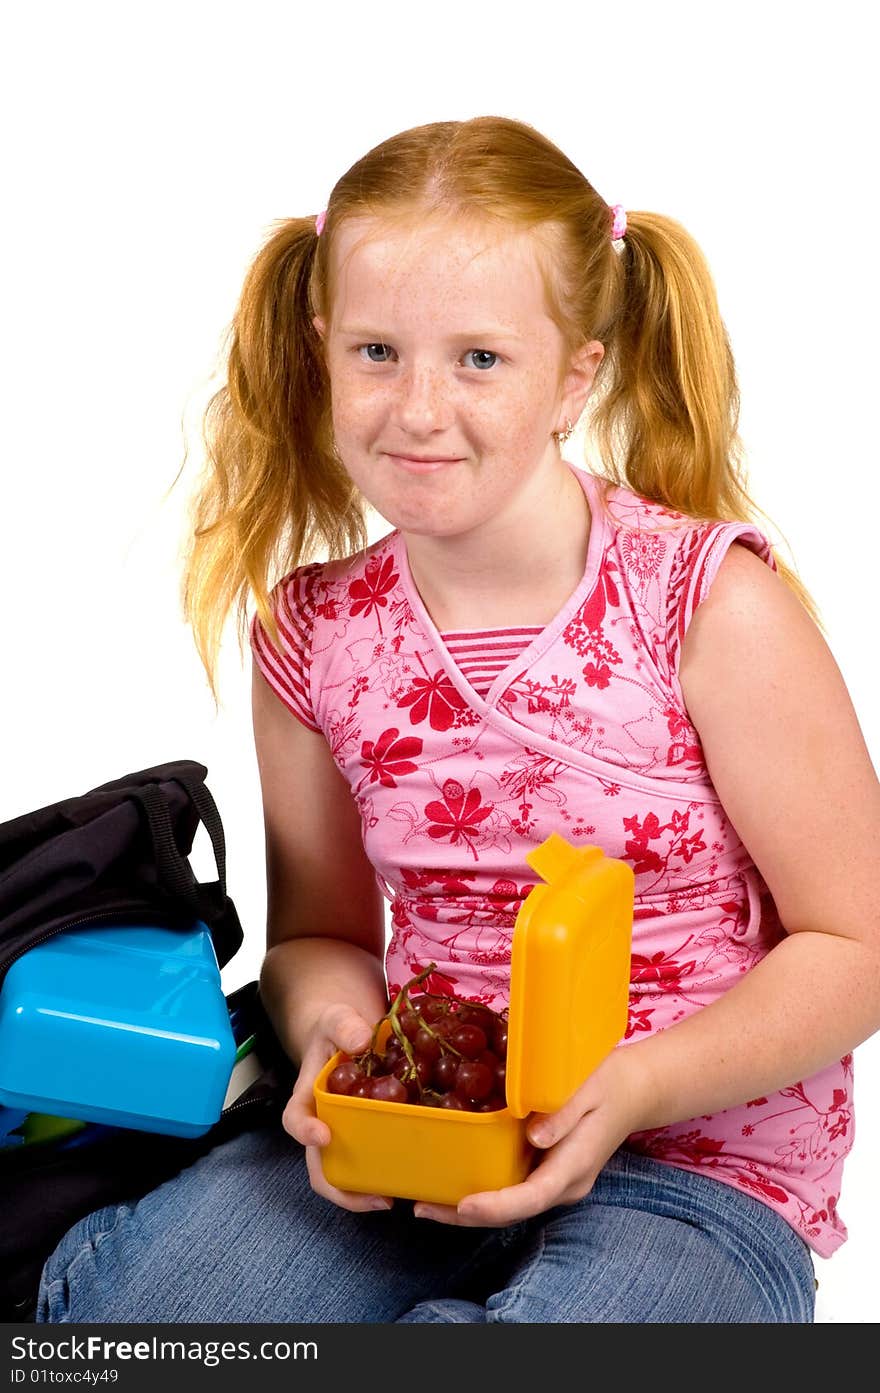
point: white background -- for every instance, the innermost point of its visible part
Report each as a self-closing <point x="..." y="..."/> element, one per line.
<point x="149" y="150"/>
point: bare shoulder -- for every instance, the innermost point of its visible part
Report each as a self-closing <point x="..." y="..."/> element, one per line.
<point x="751" y="614"/>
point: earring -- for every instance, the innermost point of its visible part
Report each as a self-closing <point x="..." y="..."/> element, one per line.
<point x="560" y="436"/>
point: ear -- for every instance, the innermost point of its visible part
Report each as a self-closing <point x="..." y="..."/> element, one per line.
<point x="578" y="381"/>
<point x="320" y="325"/>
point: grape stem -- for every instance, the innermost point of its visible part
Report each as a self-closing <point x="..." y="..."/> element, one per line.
<point x="402" y="1000"/>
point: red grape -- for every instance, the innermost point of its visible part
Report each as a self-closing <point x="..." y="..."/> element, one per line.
<point x="469" y="1040"/>
<point x="445" y="1070"/>
<point x="473" y="1014"/>
<point x="390" y="1060"/>
<point x="432" y="1010"/>
<point x="421" y="1070"/>
<point x="388" y="1089"/>
<point x="343" y="1078"/>
<point x="499" y="1038"/>
<point x="473" y="1081"/>
<point x="425" y="1045"/>
<point x="410" y="1023"/>
<point x="444" y="1026"/>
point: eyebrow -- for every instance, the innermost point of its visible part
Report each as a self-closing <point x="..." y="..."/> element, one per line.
<point x="467" y="336"/>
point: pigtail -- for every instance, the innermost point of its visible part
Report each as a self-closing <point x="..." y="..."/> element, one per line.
<point x="274" y="491"/>
<point x="667" y="425"/>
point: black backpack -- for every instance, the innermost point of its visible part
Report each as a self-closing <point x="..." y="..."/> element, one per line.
<point x="118" y="852"/>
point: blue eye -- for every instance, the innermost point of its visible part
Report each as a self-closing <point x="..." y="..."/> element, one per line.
<point x="372" y="345"/>
<point x="483" y="353"/>
<point x="480" y="352"/>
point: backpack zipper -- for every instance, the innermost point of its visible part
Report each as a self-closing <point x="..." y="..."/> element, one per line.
<point x="6" y="963"/>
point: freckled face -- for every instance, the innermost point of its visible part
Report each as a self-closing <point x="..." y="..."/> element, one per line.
<point x="440" y="345"/>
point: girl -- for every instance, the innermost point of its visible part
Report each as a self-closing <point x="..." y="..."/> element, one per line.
<point x="533" y="647"/>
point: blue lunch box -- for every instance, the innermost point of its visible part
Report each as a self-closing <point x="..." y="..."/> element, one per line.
<point x="125" y="1025"/>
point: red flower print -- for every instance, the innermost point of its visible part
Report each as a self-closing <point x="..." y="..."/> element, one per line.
<point x="682" y="753"/>
<point x="644" y="862"/>
<point x="702" y="1147"/>
<point x="685" y="747"/>
<point x="598" y="676"/>
<point x="690" y="1146"/>
<point x="750" y="1181"/>
<point x="675" y="721"/>
<point x="438" y="983"/>
<point x="434" y="699"/>
<point x="689" y="846"/>
<point x="592" y="611"/>
<point x="389" y="756"/>
<point x="371" y="593"/>
<point x="453" y="882"/>
<point x="661" y="967"/>
<point x="638" y="1020"/>
<point x="458" y="815"/>
<point x="643" y="552"/>
<point x="645" y="831"/>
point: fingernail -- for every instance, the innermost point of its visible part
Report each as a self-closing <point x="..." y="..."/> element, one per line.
<point x="540" y="1136"/>
<point x="420" y="1211"/>
<point x="380" y="1204"/>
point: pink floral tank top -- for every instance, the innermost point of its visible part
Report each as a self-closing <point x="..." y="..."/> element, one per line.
<point x="584" y="732"/>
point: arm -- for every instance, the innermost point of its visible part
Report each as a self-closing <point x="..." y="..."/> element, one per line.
<point x="322" y="980"/>
<point x="787" y="758"/>
<point x="786" y="755"/>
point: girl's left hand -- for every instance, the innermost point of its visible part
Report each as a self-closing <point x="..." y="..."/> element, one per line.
<point x="577" y="1141"/>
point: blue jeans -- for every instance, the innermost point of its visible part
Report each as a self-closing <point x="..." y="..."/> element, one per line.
<point x="241" y="1236"/>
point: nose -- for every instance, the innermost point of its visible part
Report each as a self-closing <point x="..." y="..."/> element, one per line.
<point x="424" y="402"/>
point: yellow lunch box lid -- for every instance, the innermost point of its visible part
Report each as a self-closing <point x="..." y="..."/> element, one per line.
<point x="569" y="973"/>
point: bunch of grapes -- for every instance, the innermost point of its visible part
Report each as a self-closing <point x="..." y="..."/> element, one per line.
<point x="440" y="1053"/>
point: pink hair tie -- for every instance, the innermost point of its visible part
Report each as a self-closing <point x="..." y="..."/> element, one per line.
<point x="618" y="226"/>
<point x="319" y="222"/>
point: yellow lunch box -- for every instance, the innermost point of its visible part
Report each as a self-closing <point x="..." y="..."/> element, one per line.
<point x="569" y="990"/>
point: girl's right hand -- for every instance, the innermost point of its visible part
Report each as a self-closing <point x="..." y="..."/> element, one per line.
<point x="338" y="1027"/>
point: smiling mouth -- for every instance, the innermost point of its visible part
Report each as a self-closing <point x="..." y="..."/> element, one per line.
<point x="422" y="465"/>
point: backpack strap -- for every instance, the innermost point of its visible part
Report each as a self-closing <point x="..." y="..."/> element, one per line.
<point x="208" y="902"/>
<point x="174" y="872"/>
<point x="210" y="815"/>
